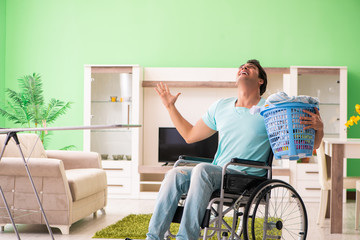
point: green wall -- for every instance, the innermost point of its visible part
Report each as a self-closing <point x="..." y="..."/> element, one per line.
<point x="56" y="38"/>
<point x="2" y="52"/>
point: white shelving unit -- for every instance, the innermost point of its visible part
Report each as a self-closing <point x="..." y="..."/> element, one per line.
<point x="329" y="84"/>
<point x="113" y="95"/>
<point x="141" y="177"/>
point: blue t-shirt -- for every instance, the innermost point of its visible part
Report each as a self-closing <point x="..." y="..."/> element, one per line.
<point x="241" y="134"/>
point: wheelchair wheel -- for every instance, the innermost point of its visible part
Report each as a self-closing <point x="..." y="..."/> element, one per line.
<point x="275" y="211"/>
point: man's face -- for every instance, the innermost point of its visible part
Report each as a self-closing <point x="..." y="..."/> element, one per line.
<point x="249" y="73"/>
<point x="248" y="70"/>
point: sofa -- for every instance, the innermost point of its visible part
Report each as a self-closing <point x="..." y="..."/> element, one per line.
<point x="71" y="184"/>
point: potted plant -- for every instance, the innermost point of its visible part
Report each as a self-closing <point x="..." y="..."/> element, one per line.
<point x="28" y="108"/>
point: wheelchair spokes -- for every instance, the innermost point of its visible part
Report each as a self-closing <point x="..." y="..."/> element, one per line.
<point x="276" y="211"/>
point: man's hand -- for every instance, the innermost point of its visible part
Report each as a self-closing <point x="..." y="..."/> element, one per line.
<point x="314" y="121"/>
<point x="167" y="99"/>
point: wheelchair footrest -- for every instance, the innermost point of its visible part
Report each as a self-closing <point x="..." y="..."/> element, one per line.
<point x="206" y="219"/>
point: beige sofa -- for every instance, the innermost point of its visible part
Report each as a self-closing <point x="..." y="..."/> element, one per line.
<point x="71" y="184"/>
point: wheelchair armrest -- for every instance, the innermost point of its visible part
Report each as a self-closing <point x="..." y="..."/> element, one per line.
<point x="197" y="159"/>
<point x="248" y="163"/>
<point x="191" y="159"/>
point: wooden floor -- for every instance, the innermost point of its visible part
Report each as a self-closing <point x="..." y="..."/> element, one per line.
<point x="119" y="208"/>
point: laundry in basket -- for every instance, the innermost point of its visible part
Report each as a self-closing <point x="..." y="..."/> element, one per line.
<point x="287" y="137"/>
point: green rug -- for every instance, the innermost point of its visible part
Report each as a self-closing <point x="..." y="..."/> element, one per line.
<point x="131" y="226"/>
<point x="136" y="226"/>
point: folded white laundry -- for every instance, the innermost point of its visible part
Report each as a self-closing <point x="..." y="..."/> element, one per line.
<point x="282" y="97"/>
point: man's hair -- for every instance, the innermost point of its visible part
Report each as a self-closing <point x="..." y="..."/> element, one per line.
<point x="262" y="74"/>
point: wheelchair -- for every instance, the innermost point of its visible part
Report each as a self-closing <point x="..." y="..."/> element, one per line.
<point x="260" y="207"/>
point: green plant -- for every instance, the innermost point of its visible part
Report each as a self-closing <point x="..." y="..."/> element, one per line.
<point x="28" y="108"/>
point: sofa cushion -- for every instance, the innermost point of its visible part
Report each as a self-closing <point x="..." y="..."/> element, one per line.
<point x="85" y="182"/>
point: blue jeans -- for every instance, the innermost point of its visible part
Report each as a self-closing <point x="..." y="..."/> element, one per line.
<point x="199" y="183"/>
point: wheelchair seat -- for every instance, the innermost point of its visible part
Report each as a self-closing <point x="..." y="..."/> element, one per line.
<point x="261" y="207"/>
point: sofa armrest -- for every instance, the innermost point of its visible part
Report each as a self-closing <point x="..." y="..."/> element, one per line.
<point x="50" y="179"/>
<point x="76" y="159"/>
<point x="39" y="167"/>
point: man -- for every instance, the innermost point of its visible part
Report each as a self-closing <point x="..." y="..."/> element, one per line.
<point x="241" y="134"/>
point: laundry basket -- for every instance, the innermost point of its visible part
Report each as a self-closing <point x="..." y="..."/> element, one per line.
<point x="287" y="137"/>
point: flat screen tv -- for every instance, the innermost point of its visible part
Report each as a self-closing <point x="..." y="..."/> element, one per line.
<point x="172" y="145"/>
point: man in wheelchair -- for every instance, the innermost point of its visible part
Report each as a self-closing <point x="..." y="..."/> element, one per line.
<point x="242" y="135"/>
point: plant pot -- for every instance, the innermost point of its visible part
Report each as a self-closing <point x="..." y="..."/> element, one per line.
<point x="305" y="160"/>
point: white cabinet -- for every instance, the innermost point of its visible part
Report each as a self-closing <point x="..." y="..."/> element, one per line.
<point x="329" y="84"/>
<point x="305" y="179"/>
<point x="113" y="95"/>
<point x="119" y="176"/>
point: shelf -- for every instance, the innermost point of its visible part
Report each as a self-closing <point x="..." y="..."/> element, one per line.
<point x="330" y="104"/>
<point x="111" y="69"/>
<point x="112" y="130"/>
<point x="318" y="71"/>
<point x="153" y="169"/>
<point x="278" y="171"/>
<point x="115" y="185"/>
<point x="331" y="134"/>
<point x="150" y="182"/>
<point x="108" y="101"/>
<point x="191" y="84"/>
<point x="199" y="77"/>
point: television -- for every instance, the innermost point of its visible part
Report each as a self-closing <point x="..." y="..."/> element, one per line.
<point x="172" y="145"/>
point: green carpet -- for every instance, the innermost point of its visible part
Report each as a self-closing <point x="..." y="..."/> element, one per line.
<point x="131" y="226"/>
<point x="136" y="226"/>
